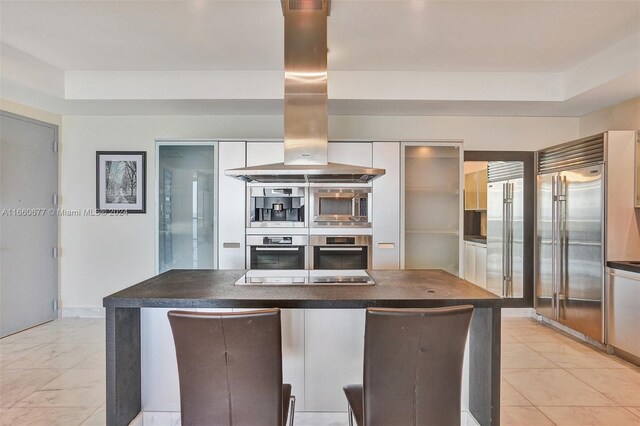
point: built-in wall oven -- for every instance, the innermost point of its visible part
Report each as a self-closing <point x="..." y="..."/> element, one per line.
<point x="340" y="252"/>
<point x="277" y="251"/>
<point x="340" y="206"/>
<point x="270" y="207"/>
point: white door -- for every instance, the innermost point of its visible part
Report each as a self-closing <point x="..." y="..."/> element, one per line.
<point x="28" y="274"/>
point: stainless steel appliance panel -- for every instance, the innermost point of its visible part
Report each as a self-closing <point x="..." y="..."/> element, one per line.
<point x="517" y="238"/>
<point x="581" y="262"/>
<point x="544" y="274"/>
<point x="505" y="237"/>
<point x="495" y="231"/>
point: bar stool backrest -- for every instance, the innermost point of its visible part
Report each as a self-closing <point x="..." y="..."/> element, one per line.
<point x="230" y="367"/>
<point x="413" y="365"/>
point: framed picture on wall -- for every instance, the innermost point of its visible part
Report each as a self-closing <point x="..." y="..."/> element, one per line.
<point x="121" y="181"/>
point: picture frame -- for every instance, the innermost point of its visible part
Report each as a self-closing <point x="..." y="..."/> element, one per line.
<point x="121" y="181"/>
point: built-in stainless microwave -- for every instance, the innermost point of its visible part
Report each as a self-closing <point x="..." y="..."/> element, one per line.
<point x="270" y="207"/>
<point x="343" y="207"/>
<point x="340" y="252"/>
<point x="277" y="251"/>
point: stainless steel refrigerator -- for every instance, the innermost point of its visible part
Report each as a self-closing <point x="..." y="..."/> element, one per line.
<point x="570" y="236"/>
<point x="505" y="228"/>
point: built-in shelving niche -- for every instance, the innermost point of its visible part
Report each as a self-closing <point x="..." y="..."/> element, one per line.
<point x="431" y="208"/>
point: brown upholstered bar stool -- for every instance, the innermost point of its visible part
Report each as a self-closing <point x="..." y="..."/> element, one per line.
<point x="412" y="367"/>
<point x="230" y="368"/>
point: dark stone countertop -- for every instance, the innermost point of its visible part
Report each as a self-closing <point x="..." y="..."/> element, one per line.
<point x="206" y="288"/>
<point x="476" y="239"/>
<point x="630" y="266"/>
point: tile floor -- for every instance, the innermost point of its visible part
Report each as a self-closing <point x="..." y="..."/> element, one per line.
<point x="54" y="375"/>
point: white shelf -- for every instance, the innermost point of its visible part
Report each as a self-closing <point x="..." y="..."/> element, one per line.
<point x="432" y="232"/>
<point x="431" y="190"/>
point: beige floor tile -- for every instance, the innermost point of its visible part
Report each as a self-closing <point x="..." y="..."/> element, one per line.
<point x="97" y="418"/>
<point x="523" y="416"/>
<point x="554" y="387"/>
<point x="55" y="355"/>
<point x="519" y="355"/>
<point x="510" y="397"/>
<point x="74" y="388"/>
<point x="95" y="360"/>
<point x="507" y="338"/>
<point x="14" y="351"/>
<point x="16" y="385"/>
<point x="575" y="355"/>
<point x="536" y="334"/>
<point x="85" y="335"/>
<point x="620" y="385"/>
<point x="590" y="416"/>
<point x="67" y="416"/>
<point x="634" y="410"/>
<point x="40" y="334"/>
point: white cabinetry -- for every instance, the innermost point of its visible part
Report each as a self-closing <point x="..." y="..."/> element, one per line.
<point x="431" y="206"/>
<point x="334" y="351"/>
<point x="475" y="263"/>
<point x="624" y="311"/>
<point x="231" y="220"/>
<point x="355" y="153"/>
<point x="386" y="206"/>
<point x="264" y="153"/>
<point x="469" y="262"/>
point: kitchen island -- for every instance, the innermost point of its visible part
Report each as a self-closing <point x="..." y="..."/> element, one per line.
<point x="201" y="289"/>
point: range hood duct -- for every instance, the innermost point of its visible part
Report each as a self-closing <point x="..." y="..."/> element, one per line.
<point x="305" y="104"/>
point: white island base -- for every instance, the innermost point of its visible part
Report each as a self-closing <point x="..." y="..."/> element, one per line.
<point x="322" y="350"/>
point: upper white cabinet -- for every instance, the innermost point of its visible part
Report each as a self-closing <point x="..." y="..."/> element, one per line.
<point x="264" y="153"/>
<point x="356" y="153"/>
<point x="431" y="206"/>
<point x="231" y="193"/>
<point x="386" y="206"/>
<point x="475" y="190"/>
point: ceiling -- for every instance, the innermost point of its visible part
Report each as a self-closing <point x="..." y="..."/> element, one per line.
<point x="556" y="45"/>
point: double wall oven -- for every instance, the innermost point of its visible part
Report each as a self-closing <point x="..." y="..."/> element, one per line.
<point x="283" y="234"/>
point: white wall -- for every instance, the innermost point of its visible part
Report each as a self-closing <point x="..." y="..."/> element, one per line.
<point x="623" y="116"/>
<point x="101" y="255"/>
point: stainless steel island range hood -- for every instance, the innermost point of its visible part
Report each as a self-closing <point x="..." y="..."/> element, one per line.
<point x="305" y="105"/>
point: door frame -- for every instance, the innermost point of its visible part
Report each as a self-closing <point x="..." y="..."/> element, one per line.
<point x="184" y="142"/>
<point x="528" y="159"/>
<point x="56" y="191"/>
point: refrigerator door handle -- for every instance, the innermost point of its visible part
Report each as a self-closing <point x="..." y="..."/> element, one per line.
<point x="511" y="208"/>
<point x="563" y="255"/>
<point x="504" y="233"/>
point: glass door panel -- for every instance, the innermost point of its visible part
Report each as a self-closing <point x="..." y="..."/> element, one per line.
<point x="186" y="206"/>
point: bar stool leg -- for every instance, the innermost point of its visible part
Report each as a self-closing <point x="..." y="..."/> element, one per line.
<point x="292" y="409"/>
<point x="350" y="413"/>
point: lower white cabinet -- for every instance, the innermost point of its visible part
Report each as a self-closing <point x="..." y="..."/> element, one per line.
<point x="469" y="262"/>
<point x="475" y="263"/>
<point x="624" y="311"/>
<point x="160" y="387"/>
<point x="334" y="353"/>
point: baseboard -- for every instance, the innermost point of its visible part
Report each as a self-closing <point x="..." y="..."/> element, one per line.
<point x="518" y="313"/>
<point x="571" y="332"/>
<point x="81" y="313"/>
<point x="157" y="418"/>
